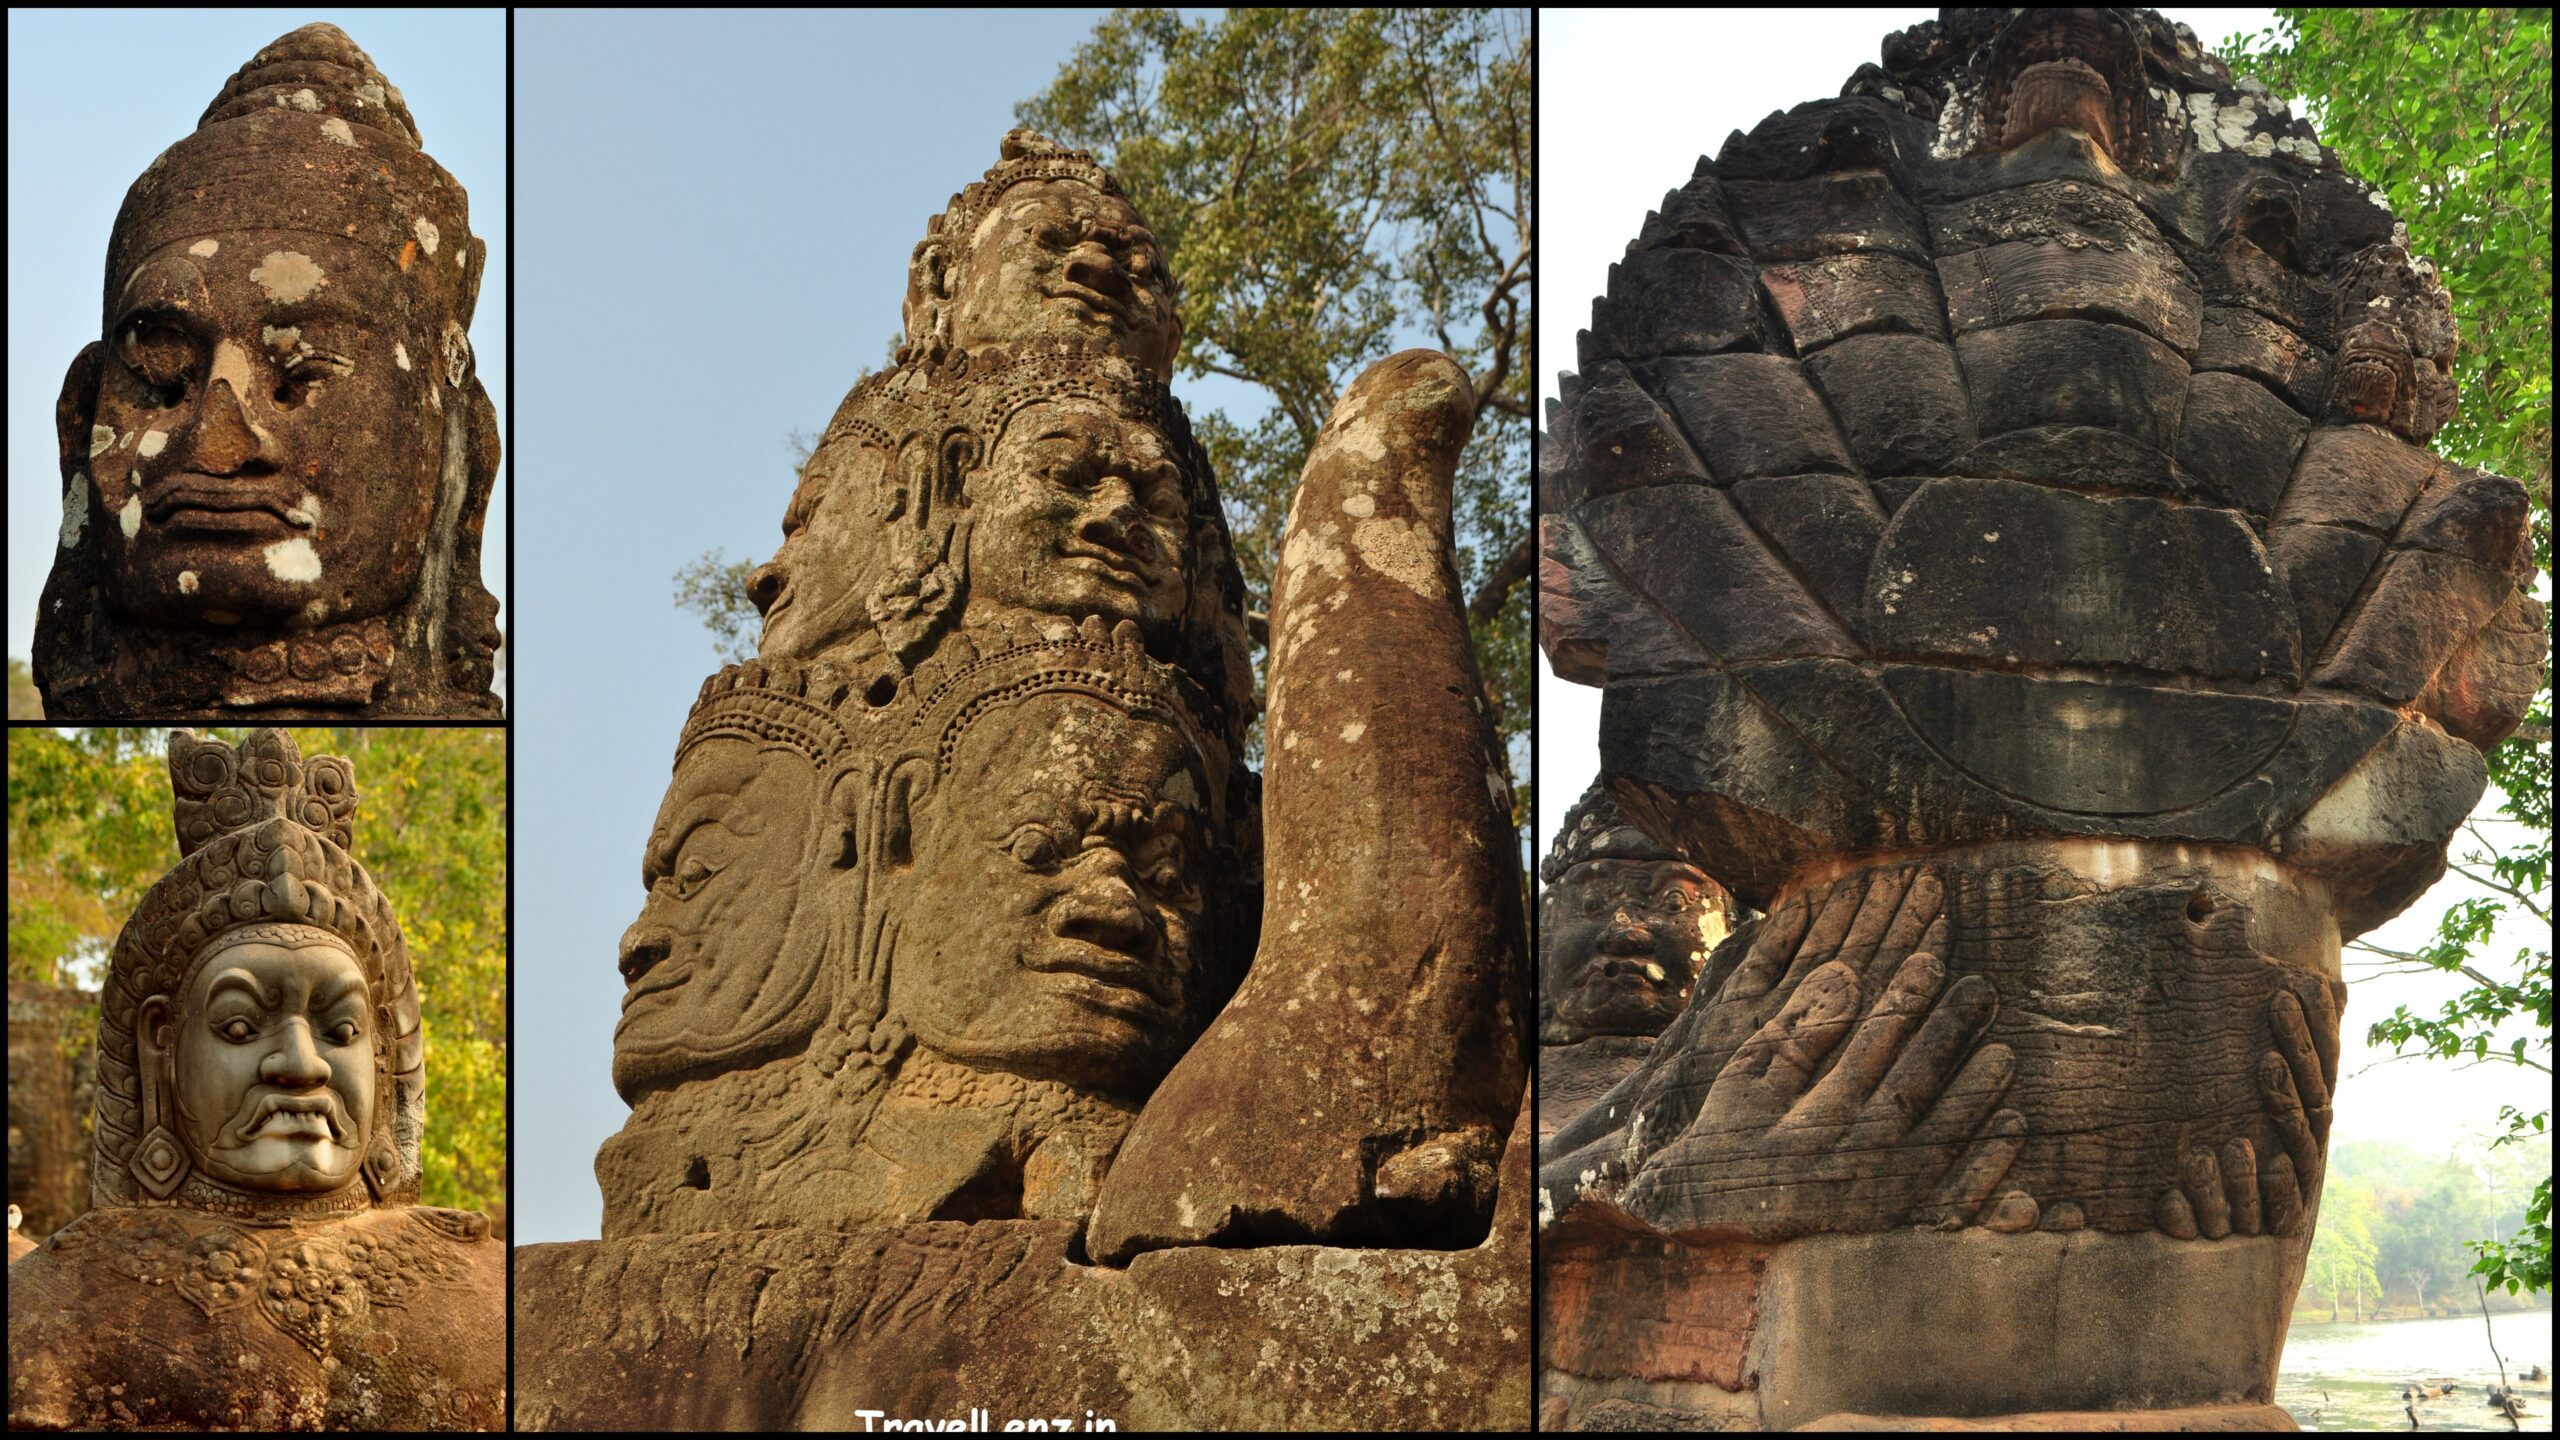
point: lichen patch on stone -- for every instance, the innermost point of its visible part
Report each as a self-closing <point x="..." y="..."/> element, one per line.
<point x="204" y="249"/>
<point x="338" y="130"/>
<point x="427" y="233"/>
<point x="75" y="508"/>
<point x="129" y="519"/>
<point x="153" y="442"/>
<point x="293" y="561"/>
<point x="287" y="276"/>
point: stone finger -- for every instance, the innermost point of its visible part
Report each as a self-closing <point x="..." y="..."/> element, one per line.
<point x="1871" y="1050"/>
<point x="1883" y="902"/>
<point x="1773" y="944"/>
<point x="2203" y="1180"/>
<point x="2240" y="1182"/>
<point x="1921" y="922"/>
<point x="2328" y="1003"/>
<point x="2177" y="1218"/>
<point x="2014" y="1214"/>
<point x="2294" y="1042"/>
<point x="2284" y="1108"/>
<point x="1778" y="1061"/>
<point x="2283" y="1197"/>
<point x="1973" y="1179"/>
<point x="1922" y="1076"/>
<point x="1829" y="927"/>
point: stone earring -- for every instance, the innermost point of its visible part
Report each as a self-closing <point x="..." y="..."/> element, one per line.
<point x="159" y="1163"/>
<point x="381" y="1164"/>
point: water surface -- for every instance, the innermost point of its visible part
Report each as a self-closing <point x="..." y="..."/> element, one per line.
<point x="2362" y="1367"/>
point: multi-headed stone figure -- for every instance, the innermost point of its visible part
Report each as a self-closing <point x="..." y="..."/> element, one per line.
<point x="1996" y="504"/>
<point x="957" y="903"/>
<point x="255" y="1256"/>
<point x="276" y="459"/>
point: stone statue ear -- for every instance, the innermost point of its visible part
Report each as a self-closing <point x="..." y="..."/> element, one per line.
<point x="381" y="1163"/>
<point x="77" y="408"/>
<point x="928" y="291"/>
<point x="905" y="786"/>
<point x="159" y="1162"/>
<point x="844" y="818"/>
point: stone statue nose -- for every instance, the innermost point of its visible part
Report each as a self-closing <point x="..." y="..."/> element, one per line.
<point x="764" y="586"/>
<point x="1103" y="910"/>
<point x="1117" y="521"/>
<point x="296" y="1059"/>
<point x="643" y="946"/>
<point x="227" y="441"/>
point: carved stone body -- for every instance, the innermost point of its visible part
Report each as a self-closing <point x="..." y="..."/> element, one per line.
<point x="254" y="1256"/>
<point x="1995" y="505"/>
<point x="276" y="460"/>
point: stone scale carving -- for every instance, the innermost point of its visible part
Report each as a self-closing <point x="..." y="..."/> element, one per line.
<point x="276" y="459"/>
<point x="1996" y="504"/>
<point x="964" y="906"/>
<point x="254" y="1256"/>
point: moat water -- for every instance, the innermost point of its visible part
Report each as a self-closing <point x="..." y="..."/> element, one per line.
<point x="2363" y="1367"/>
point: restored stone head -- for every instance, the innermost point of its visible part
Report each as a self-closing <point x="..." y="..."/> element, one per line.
<point x="1043" y="249"/>
<point x="1057" y="867"/>
<point x="733" y="960"/>
<point x="1625" y="926"/>
<point x="276" y="457"/>
<point x="259" y="1038"/>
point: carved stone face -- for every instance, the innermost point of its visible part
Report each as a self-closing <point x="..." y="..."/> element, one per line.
<point x="1623" y="942"/>
<point x="723" y="963"/>
<point x="1060" y="260"/>
<point x="1079" y="511"/>
<point x="814" y="591"/>
<point x="274" y="1055"/>
<point x="1052" y="926"/>
<point x="267" y="435"/>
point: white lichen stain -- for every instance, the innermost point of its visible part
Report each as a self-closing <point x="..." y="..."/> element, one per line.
<point x="75" y="508"/>
<point x="204" y="249"/>
<point x="315" y="612"/>
<point x="129" y="519"/>
<point x="400" y="354"/>
<point x="427" y="234"/>
<point x="1402" y="551"/>
<point x="186" y="582"/>
<point x="293" y="561"/>
<point x="280" y="338"/>
<point x="306" y="102"/>
<point x="153" y="442"/>
<point x="1359" y="507"/>
<point x="1354" y="730"/>
<point x="306" y="514"/>
<point x="287" y="276"/>
<point x="338" y="130"/>
<point x="1990" y="537"/>
<point x="100" y="438"/>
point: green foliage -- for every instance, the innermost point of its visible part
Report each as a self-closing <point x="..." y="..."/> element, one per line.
<point x="2448" y="111"/>
<point x="2342" y="1248"/>
<point x="1330" y="186"/>
<point x="89" y="831"/>
<point x="714" y="587"/>
<point x="2418" y="1212"/>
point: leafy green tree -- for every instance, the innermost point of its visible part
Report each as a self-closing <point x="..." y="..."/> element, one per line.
<point x="2448" y="111"/>
<point x="89" y="831"/>
<point x="2342" y="1249"/>
<point x="24" y="702"/>
<point x="1329" y="186"/>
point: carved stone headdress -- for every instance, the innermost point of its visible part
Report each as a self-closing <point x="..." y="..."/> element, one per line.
<point x="264" y="834"/>
<point x="1594" y="830"/>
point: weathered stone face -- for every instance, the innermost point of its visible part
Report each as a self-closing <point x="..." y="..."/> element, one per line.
<point x="1079" y="511"/>
<point x="1994" y="505"/>
<point x="1620" y="944"/>
<point x="282" y="462"/>
<point x="1053" y="922"/>
<point x="276" y="459"/>
<point x="274" y="1059"/>
<point x="725" y="965"/>
<point x="1059" y="260"/>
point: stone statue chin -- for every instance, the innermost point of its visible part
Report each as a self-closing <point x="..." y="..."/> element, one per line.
<point x="276" y="458"/>
<point x="254" y="1257"/>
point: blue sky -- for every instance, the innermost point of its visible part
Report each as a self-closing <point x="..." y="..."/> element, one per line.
<point x="94" y="95"/>
<point x="713" y="246"/>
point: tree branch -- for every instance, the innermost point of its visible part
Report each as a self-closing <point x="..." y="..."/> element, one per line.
<point x="1496" y="589"/>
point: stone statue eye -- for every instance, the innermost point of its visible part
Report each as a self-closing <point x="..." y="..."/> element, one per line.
<point x="1590" y="902"/>
<point x="691" y="872"/>
<point x="342" y="1033"/>
<point x="237" y="1030"/>
<point x="1033" y="848"/>
<point x="162" y="356"/>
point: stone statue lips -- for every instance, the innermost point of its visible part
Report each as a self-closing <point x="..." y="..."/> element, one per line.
<point x="207" y="503"/>
<point x="1117" y="567"/>
<point x="307" y="1116"/>
<point x="1100" y="288"/>
<point x="1125" y="980"/>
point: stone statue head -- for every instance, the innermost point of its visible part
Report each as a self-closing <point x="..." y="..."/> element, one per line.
<point x="1043" y="249"/>
<point x="276" y="458"/>
<point x="1022" y="488"/>
<point x="1059" y="897"/>
<point x="1625" y="924"/>
<point x="735" y="958"/>
<point x="259" y="1042"/>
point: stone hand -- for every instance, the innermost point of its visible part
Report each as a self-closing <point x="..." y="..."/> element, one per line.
<point x="1782" y="1147"/>
<point x="2226" y="1191"/>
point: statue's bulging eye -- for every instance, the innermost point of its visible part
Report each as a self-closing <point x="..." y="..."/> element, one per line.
<point x="1033" y="848"/>
<point x="161" y="356"/>
<point x="343" y="1033"/>
<point x="691" y="874"/>
<point x="237" y="1030"/>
